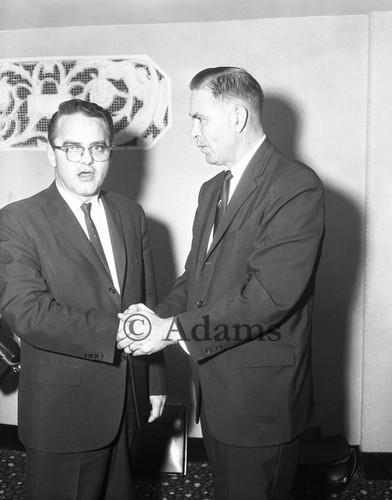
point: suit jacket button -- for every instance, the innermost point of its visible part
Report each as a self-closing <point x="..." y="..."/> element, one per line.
<point x="112" y="290"/>
<point x="200" y="303"/>
<point x="218" y="347"/>
<point x="208" y="351"/>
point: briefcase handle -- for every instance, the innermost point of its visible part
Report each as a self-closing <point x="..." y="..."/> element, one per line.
<point x="353" y="462"/>
<point x="11" y="358"/>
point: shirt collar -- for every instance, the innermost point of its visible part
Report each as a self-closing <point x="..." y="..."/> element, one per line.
<point x="238" y="169"/>
<point x="72" y="201"/>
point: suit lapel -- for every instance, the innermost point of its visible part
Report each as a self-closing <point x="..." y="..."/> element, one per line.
<point x="244" y="190"/>
<point x="117" y="238"/>
<point x="208" y="216"/>
<point x="66" y="222"/>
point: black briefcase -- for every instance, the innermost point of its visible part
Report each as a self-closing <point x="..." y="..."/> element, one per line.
<point x="326" y="466"/>
<point x="162" y="446"/>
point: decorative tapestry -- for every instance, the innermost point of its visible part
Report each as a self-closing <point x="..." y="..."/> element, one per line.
<point x="133" y="88"/>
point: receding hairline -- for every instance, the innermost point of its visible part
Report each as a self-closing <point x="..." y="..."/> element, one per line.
<point x="204" y="78"/>
<point x="231" y="84"/>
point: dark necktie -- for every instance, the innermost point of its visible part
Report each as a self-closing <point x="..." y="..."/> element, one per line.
<point x="223" y="199"/>
<point x="93" y="234"/>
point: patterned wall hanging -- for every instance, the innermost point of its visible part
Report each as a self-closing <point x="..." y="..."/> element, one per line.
<point x="133" y="88"/>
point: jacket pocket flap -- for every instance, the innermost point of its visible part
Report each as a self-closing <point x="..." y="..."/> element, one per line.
<point x="52" y="375"/>
<point x="266" y="356"/>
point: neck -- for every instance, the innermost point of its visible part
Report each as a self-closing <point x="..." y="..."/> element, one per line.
<point x="245" y="143"/>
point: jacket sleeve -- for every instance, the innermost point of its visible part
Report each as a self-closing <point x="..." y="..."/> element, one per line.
<point x="280" y="270"/>
<point x="30" y="309"/>
<point x="157" y="367"/>
<point x="177" y="299"/>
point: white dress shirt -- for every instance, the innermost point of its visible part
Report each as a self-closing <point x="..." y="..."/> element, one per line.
<point x="237" y="171"/>
<point x="98" y="216"/>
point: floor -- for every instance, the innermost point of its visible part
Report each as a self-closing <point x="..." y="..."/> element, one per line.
<point x="195" y="485"/>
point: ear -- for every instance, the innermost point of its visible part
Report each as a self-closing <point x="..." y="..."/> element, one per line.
<point x="51" y="155"/>
<point x="241" y="115"/>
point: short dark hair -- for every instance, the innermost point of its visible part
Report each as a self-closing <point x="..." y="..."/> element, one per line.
<point x="227" y="82"/>
<point x="86" y="108"/>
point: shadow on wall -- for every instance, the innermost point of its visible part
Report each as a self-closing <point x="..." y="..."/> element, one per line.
<point x="337" y="281"/>
<point x="126" y="173"/>
<point x="126" y="176"/>
<point x="337" y="289"/>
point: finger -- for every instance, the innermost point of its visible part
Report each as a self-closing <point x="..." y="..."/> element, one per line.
<point x="144" y="308"/>
<point x="123" y="340"/>
<point x="123" y="316"/>
<point x="124" y="344"/>
<point x="121" y="335"/>
<point x="137" y="350"/>
<point x="162" y="405"/>
<point x="154" y="414"/>
<point x="134" y="349"/>
<point x="134" y="308"/>
<point x="152" y="417"/>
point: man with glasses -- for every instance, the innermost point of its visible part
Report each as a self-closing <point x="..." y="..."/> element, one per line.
<point x="71" y="258"/>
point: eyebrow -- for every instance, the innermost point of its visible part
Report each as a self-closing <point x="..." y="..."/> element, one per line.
<point x="75" y="143"/>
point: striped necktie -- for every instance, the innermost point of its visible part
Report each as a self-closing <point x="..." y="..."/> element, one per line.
<point x="223" y="199"/>
<point x="93" y="234"/>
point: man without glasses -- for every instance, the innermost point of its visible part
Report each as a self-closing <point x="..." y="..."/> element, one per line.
<point x="256" y="241"/>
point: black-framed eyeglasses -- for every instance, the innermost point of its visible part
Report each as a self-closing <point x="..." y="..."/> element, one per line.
<point x="74" y="153"/>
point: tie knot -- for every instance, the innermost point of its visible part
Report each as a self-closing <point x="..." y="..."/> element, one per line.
<point x="86" y="207"/>
<point x="228" y="175"/>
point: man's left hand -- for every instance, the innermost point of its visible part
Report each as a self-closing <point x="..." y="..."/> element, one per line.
<point x="144" y="332"/>
<point x="157" y="406"/>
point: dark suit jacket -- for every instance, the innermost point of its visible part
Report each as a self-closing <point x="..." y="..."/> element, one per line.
<point x="58" y="298"/>
<point x="255" y="380"/>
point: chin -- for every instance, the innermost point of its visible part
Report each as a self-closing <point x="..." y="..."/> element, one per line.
<point x="210" y="160"/>
<point x="89" y="190"/>
<point x="88" y="194"/>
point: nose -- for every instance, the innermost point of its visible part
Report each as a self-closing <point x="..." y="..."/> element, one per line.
<point x="87" y="160"/>
<point x="195" y="130"/>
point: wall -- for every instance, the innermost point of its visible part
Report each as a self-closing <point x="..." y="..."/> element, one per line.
<point x="20" y="14"/>
<point x="377" y="373"/>
<point x="315" y="75"/>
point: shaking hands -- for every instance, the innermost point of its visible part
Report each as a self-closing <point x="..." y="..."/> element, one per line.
<point x="142" y="332"/>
